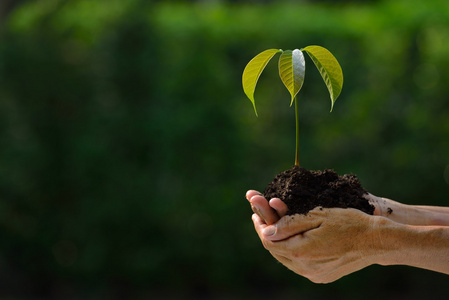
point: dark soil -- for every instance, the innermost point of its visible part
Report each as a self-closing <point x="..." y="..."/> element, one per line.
<point x="303" y="190"/>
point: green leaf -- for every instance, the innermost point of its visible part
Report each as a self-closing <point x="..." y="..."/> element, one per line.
<point x="329" y="69"/>
<point x="253" y="70"/>
<point x="292" y="69"/>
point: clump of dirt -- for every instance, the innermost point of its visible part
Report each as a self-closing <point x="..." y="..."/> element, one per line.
<point x="303" y="190"/>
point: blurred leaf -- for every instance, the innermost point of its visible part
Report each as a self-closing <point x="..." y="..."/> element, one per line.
<point x="253" y="70"/>
<point x="292" y="69"/>
<point x="329" y="69"/>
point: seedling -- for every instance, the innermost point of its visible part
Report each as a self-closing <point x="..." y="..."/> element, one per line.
<point x="292" y="68"/>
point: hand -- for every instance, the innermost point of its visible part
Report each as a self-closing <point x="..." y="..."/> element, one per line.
<point x="324" y="245"/>
<point x="320" y="245"/>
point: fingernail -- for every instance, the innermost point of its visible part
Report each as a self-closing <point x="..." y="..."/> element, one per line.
<point x="270" y="230"/>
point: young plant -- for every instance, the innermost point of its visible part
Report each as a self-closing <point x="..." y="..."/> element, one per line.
<point x="292" y="68"/>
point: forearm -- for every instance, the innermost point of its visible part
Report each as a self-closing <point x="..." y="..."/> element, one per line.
<point x="437" y="215"/>
<point x="424" y="247"/>
<point x="411" y="214"/>
<point x="419" y="215"/>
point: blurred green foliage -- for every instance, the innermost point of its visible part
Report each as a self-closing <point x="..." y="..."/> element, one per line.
<point x="127" y="144"/>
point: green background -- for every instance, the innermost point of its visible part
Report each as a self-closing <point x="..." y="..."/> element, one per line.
<point x="127" y="143"/>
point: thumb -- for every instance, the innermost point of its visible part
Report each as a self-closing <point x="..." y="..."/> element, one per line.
<point x="292" y="225"/>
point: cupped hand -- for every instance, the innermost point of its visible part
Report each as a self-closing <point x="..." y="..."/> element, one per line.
<point x="324" y="245"/>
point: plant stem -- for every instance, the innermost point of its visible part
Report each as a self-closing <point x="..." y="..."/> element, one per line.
<point x="297" y="132"/>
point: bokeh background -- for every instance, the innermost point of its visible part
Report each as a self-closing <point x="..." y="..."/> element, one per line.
<point x="127" y="143"/>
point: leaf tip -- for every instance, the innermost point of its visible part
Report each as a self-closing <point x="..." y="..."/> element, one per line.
<point x="332" y="104"/>
<point x="255" y="110"/>
<point x="293" y="101"/>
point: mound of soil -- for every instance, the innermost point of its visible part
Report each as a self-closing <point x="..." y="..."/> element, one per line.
<point x="303" y="190"/>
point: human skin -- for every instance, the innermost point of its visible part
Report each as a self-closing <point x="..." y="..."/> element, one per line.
<point x="329" y="243"/>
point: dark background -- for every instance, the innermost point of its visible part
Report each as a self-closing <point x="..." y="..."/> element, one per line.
<point x="127" y="143"/>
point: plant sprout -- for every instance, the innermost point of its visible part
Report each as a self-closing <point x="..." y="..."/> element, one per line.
<point x="292" y="68"/>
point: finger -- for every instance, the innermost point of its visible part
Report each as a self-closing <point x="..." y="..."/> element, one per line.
<point x="261" y="207"/>
<point x="259" y="224"/>
<point x="289" y="226"/>
<point x="279" y="206"/>
<point x="252" y="193"/>
<point x="277" y="249"/>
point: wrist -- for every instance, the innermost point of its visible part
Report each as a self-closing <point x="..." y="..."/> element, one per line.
<point x="377" y="249"/>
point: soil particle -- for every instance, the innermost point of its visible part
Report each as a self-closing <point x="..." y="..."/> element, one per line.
<point x="303" y="190"/>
